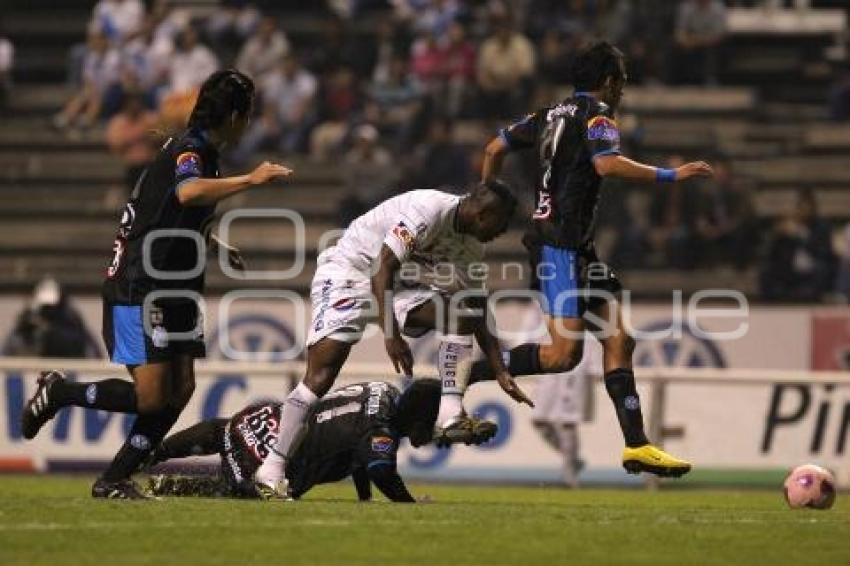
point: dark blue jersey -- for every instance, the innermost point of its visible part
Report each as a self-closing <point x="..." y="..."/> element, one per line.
<point x="152" y="211"/>
<point x="566" y="138"/>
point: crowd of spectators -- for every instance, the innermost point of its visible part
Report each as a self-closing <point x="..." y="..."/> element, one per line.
<point x="385" y="87"/>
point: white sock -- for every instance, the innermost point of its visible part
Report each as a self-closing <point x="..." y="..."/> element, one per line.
<point x="292" y="426"/>
<point x="454" y="365"/>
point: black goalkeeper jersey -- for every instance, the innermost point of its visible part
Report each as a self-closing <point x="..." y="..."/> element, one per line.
<point x="566" y="138"/>
<point x="153" y="206"/>
<point x="349" y="428"/>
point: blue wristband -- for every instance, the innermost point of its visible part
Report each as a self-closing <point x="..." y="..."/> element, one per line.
<point x="665" y="175"/>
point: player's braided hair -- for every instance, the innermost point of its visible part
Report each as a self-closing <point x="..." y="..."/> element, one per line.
<point x="223" y="93"/>
<point x="595" y="63"/>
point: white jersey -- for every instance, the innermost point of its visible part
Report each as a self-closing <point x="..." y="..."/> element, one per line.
<point x="420" y="228"/>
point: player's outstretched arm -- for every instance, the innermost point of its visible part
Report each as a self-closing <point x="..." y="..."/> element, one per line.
<point x="203" y="191"/>
<point x="382" y="289"/>
<point x="386" y="478"/>
<point x="494" y="155"/>
<point x="362" y="484"/>
<point x="493" y="352"/>
<point x="614" y="165"/>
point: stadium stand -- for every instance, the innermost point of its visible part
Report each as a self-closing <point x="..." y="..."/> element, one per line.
<point x="770" y="119"/>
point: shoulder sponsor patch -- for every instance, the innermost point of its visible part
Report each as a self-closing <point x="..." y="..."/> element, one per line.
<point x="382" y="444"/>
<point x="404" y="234"/>
<point x="188" y="163"/>
<point x="602" y="128"/>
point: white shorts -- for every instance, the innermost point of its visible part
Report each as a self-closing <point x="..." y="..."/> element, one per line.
<point x="343" y="305"/>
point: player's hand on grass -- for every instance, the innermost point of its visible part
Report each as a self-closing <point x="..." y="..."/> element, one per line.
<point x="509" y="386"/>
<point x="694" y="169"/>
<point x="400" y="354"/>
<point x="266" y="171"/>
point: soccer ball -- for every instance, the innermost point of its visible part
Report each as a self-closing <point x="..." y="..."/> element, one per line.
<point x="810" y="486"/>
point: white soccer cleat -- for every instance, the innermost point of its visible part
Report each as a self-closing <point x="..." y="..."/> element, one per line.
<point x="271" y="487"/>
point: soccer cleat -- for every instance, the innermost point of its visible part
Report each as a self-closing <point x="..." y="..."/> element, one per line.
<point x="40" y="408"/>
<point x="186" y="486"/>
<point x="277" y="492"/>
<point x="463" y="429"/>
<point x="124" y="489"/>
<point x="649" y="458"/>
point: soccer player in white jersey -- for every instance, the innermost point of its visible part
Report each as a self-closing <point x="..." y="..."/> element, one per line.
<point x="439" y="238"/>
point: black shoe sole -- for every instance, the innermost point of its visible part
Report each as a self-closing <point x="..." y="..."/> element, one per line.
<point x="30" y="425"/>
<point x="636" y="467"/>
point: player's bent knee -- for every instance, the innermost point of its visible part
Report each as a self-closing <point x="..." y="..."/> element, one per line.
<point x="561" y="358"/>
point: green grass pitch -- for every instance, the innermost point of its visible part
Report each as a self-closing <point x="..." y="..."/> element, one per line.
<point x="51" y="520"/>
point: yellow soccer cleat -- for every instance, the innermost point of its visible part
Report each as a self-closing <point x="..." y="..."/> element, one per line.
<point x="649" y="458"/>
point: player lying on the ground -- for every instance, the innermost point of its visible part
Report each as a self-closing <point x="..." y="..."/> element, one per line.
<point x="439" y="237"/>
<point x="577" y="143"/>
<point x="354" y="430"/>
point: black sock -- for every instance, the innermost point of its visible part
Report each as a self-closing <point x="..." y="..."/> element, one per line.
<point x="522" y="360"/>
<point x="146" y="434"/>
<point x="620" y="384"/>
<point x="202" y="439"/>
<point x="115" y="395"/>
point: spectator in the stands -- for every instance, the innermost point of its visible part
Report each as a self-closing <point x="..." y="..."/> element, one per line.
<point x="191" y="63"/>
<point x="458" y="69"/>
<point x="338" y="47"/>
<point x="726" y="224"/>
<point x="672" y="215"/>
<point x="287" y="96"/>
<point x="230" y="25"/>
<point x="391" y="40"/>
<point x="146" y="62"/>
<point x="398" y="100"/>
<point x="7" y="60"/>
<point x="440" y="161"/>
<point x="101" y="86"/>
<point x="433" y="17"/>
<point x="263" y="50"/>
<point x="800" y="264"/>
<point x="338" y="99"/>
<point x="130" y="137"/>
<point x="699" y="33"/>
<point x="369" y="174"/>
<point x="118" y="20"/>
<point x="50" y="327"/>
<point x="505" y="69"/>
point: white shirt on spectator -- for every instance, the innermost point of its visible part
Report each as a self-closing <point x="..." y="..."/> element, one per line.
<point x="190" y="69"/>
<point x="102" y="70"/>
<point x="117" y="19"/>
<point x="288" y="95"/>
<point x="148" y="62"/>
<point x="257" y="58"/>
<point x="7" y="55"/>
<point x="559" y="399"/>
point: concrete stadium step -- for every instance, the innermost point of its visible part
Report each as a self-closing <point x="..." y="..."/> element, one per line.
<point x="806" y="171"/>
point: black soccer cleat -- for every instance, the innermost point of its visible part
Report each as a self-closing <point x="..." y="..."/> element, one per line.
<point x="124" y="489"/>
<point x="41" y="407"/>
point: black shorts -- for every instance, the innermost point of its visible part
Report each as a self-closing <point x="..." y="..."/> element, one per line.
<point x="128" y="343"/>
<point x="571" y="280"/>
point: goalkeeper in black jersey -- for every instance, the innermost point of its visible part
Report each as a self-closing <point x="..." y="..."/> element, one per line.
<point x="354" y="430"/>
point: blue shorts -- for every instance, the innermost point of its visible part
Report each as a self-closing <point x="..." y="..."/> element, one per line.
<point x="128" y="343"/>
<point x="561" y="275"/>
<point x="558" y="275"/>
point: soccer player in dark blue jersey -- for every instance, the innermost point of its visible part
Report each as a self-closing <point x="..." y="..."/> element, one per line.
<point x="151" y="318"/>
<point x="354" y="430"/>
<point x="578" y="144"/>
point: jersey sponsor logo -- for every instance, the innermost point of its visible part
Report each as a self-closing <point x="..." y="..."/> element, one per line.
<point x="382" y="444"/>
<point x="602" y="128"/>
<point x="404" y="234"/>
<point x="345" y="304"/>
<point x="259" y="431"/>
<point x="189" y="163"/>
